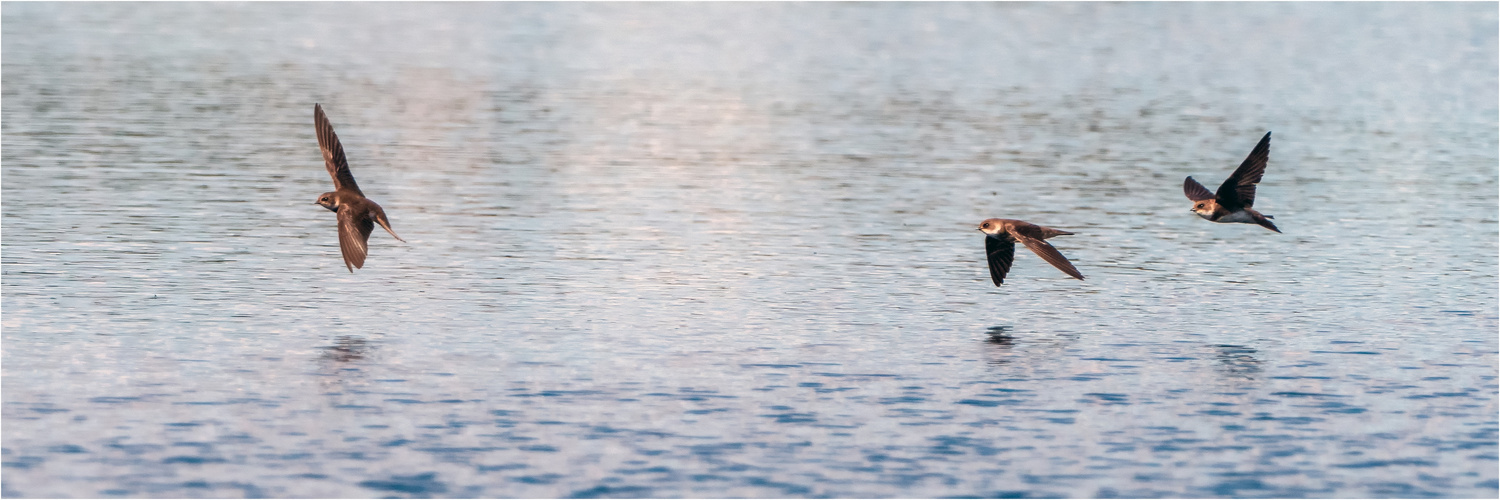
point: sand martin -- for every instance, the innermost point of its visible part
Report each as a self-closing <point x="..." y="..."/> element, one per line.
<point x="357" y="214"/>
<point x="1237" y="193"/>
<point x="1001" y="235"/>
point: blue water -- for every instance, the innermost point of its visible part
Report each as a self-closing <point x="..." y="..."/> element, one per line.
<point x="728" y="250"/>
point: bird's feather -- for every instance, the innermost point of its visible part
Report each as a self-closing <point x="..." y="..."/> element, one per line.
<point x="1001" y="253"/>
<point x="1238" y="191"/>
<point x="1046" y="252"/>
<point x="333" y="153"/>
<point x="354" y="236"/>
<point x="1196" y="191"/>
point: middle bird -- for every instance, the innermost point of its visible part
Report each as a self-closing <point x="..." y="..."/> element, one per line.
<point x="1001" y="235"/>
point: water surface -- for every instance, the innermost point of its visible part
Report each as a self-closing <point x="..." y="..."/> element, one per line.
<point x="707" y="250"/>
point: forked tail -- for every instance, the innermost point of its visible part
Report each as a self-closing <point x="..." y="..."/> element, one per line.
<point x="1265" y="222"/>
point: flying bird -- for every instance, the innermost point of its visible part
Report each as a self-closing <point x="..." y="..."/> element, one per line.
<point x="357" y="215"/>
<point x="1237" y="193"/>
<point x="1001" y="235"/>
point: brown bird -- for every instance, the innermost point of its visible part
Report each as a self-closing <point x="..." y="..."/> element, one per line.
<point x="1000" y="240"/>
<point x="357" y="214"/>
<point x="1237" y="193"/>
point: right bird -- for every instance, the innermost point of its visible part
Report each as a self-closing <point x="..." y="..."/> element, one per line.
<point x="1237" y="193"/>
<point x="1001" y="235"/>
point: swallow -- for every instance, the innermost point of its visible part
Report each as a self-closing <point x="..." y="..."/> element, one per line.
<point x="1237" y="193"/>
<point x="357" y="215"/>
<point x="1001" y="235"/>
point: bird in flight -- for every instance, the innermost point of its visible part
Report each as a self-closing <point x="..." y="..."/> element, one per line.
<point x="1237" y="193"/>
<point x="1001" y="235"/>
<point x="357" y="215"/>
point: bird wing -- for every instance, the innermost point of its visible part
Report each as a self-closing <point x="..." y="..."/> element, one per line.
<point x="1001" y="253"/>
<point x="333" y="152"/>
<point x="1238" y="190"/>
<point x="1196" y="191"/>
<point x="354" y="236"/>
<point x="1044" y="250"/>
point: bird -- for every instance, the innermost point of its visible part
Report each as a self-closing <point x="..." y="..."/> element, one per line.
<point x="1237" y="193"/>
<point x="1001" y="235"/>
<point x="357" y="215"/>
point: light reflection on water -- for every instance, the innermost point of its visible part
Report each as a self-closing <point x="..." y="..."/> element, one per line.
<point x="728" y="250"/>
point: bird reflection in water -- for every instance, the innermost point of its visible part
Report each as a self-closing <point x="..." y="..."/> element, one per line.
<point x="1001" y="342"/>
<point x="1237" y="361"/>
<point x="339" y="371"/>
<point x="346" y="349"/>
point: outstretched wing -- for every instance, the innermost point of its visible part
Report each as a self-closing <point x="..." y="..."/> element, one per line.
<point x="1001" y="253"/>
<point x="1196" y="191"/>
<point x="333" y="152"/>
<point x="1238" y="190"/>
<point x="354" y="237"/>
<point x="1045" y="251"/>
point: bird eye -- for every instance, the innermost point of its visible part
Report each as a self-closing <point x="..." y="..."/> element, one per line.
<point x="985" y="225"/>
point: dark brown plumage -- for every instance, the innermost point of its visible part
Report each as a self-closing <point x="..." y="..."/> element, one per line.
<point x="357" y="215"/>
<point x="1000" y="240"/>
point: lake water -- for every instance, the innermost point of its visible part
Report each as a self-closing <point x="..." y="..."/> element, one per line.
<point x="709" y="250"/>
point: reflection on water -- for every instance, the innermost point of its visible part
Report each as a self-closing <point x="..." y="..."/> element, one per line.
<point x="346" y="349"/>
<point x="727" y="250"/>
<point x="1000" y="344"/>
<point x="1000" y="335"/>
<point x="1237" y="361"/>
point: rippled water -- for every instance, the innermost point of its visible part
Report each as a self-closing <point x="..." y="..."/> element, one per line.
<point x="715" y="250"/>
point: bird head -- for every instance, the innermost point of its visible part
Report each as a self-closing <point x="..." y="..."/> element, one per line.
<point x="329" y="200"/>
<point x="1205" y="208"/>
<point x="992" y="226"/>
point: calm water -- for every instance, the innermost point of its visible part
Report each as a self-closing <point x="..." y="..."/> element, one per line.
<point x="728" y="250"/>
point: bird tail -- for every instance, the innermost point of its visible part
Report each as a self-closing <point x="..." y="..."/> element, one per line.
<point x="1048" y="232"/>
<point x="1265" y="222"/>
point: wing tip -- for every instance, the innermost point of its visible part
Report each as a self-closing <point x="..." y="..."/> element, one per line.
<point x="1070" y="270"/>
<point x="996" y="275"/>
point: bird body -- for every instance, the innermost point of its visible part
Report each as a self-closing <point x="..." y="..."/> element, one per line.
<point x="357" y="215"/>
<point x="1001" y="236"/>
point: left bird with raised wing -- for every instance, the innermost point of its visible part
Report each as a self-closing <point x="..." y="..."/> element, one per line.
<point x="357" y="215"/>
